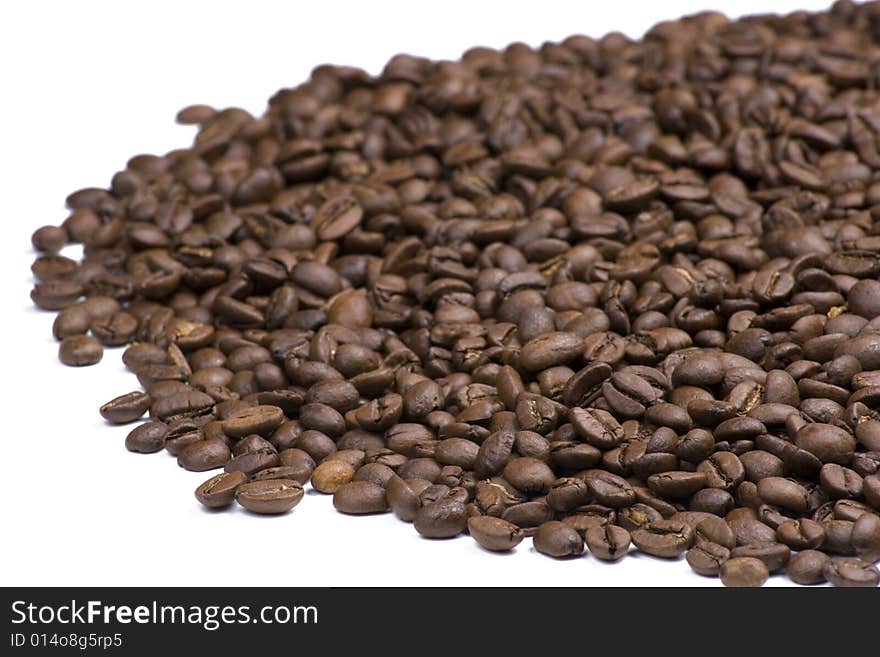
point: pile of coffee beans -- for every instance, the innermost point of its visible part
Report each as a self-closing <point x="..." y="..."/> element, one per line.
<point x="601" y="293"/>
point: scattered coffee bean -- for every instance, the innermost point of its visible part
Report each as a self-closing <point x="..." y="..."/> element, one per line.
<point x="744" y="572"/>
<point x="80" y="350"/>
<point x="269" y="496"/>
<point x="494" y="534"/>
<point x="556" y="539"/>
<point x="219" y="490"/>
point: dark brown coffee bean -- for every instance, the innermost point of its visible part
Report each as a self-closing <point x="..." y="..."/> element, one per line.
<point x="402" y="498"/>
<point x="204" y="455"/>
<point x="360" y="497"/>
<point x="851" y="573"/>
<point x="715" y="530"/>
<point x="147" y="438"/>
<point x="444" y="518"/>
<point x="331" y="474"/>
<point x="807" y="567"/>
<point x="551" y="349"/>
<point x="607" y="542"/>
<point x="676" y="484"/>
<point x="126" y="408"/>
<point x="269" y="496"/>
<point x="494" y="534"/>
<point x="556" y="539"/>
<point x="866" y="537"/>
<point x="706" y="558"/>
<point x="262" y="420"/>
<point x="664" y="538"/>
<point x="219" y="491"/>
<point x="743" y="572"/>
<point x="774" y="555"/>
<point x="529" y="475"/>
<point x="80" y="350"/>
<point x="801" y="534"/>
<point x="610" y="489"/>
<point x="784" y="493"/>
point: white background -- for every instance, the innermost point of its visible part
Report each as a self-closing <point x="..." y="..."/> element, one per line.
<point x="85" y="85"/>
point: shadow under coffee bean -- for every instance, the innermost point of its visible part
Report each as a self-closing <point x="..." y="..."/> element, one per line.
<point x="600" y="293"/>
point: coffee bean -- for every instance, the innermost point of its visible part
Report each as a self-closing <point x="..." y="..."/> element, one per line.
<point x="828" y="443"/>
<point x="706" y="558"/>
<point x="402" y="498"/>
<point x="147" y="438"/>
<point x="550" y="349"/>
<point x="715" y="530"/>
<point x="494" y="534"/>
<point x="556" y="539"/>
<point x="529" y="475"/>
<point x="360" y="497"/>
<point x="801" y="534"/>
<point x="807" y="567"/>
<point x="331" y="474"/>
<point x="743" y="572"/>
<point x="610" y="489"/>
<point x="261" y="420"/>
<point x="269" y="496"/>
<point x="80" y="350"/>
<point x="607" y="542"/>
<point x="204" y="455"/>
<point x="866" y="537"/>
<point x="851" y="573"/>
<point x="443" y="518"/>
<point x="664" y="538"/>
<point x="774" y="555"/>
<point x="784" y="493"/>
<point x="219" y="491"/>
<point x="126" y="408"/>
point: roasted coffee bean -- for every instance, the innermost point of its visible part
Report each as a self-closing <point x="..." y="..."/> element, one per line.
<point x="607" y="542"/>
<point x="549" y="350"/>
<point x="715" y="530"/>
<point x="610" y="489"/>
<point x="126" y="408"/>
<point x="706" y="558"/>
<point x="744" y="572"/>
<point x="147" y="438"/>
<point x="331" y="474"/>
<point x="784" y="493"/>
<point x="204" y="455"/>
<point x="360" y="497"/>
<point x="219" y="491"/>
<point x="269" y="496"/>
<point x="80" y="350"/>
<point x="866" y="537"/>
<point x="664" y="538"/>
<point x="851" y="573"/>
<point x="774" y="555"/>
<point x="801" y="534"/>
<point x="676" y="485"/>
<point x="402" y="498"/>
<point x="262" y="420"/>
<point x="574" y="291"/>
<point x="807" y="567"/>
<point x="529" y="475"/>
<point x="494" y="534"/>
<point x="556" y="539"/>
<point x="443" y="518"/>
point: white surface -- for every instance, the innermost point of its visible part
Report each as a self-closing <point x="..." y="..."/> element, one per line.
<point x="85" y="85"/>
